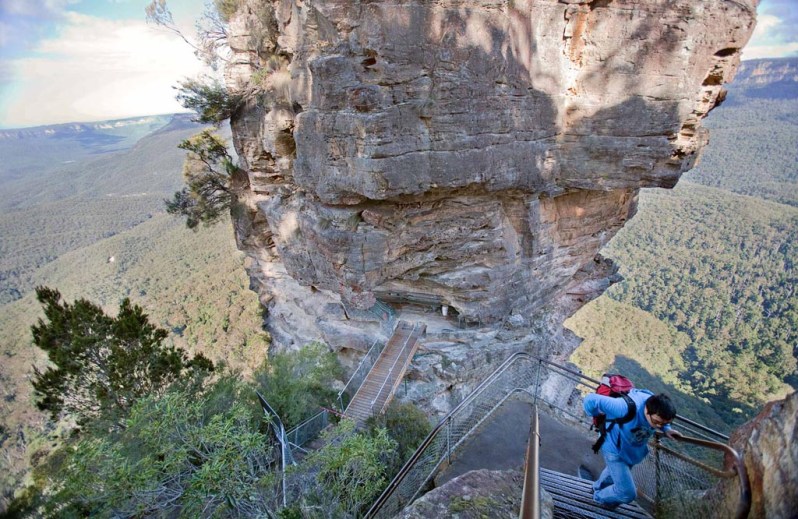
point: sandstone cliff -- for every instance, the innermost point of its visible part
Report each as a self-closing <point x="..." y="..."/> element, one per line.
<point x="470" y="156"/>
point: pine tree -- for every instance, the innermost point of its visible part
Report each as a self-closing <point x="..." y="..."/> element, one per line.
<point x="103" y="364"/>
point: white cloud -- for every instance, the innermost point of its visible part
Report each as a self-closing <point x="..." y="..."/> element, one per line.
<point x="99" y="69"/>
<point x="768" y="39"/>
<point x="770" y="51"/>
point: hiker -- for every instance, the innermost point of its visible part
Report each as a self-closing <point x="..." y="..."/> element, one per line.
<point x="626" y="444"/>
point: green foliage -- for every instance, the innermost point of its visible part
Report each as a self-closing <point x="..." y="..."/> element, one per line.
<point x="296" y="383"/>
<point x="208" y="98"/>
<point x="103" y="364"/>
<point x="182" y="454"/>
<point x="407" y="426"/>
<point x="351" y="470"/>
<point x="207" y="173"/>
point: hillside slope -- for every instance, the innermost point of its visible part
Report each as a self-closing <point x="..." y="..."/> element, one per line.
<point x="713" y="261"/>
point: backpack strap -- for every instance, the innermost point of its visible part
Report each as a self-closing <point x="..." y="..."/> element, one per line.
<point x="631" y="411"/>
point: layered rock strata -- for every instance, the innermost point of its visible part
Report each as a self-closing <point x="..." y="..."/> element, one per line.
<point x="467" y="156"/>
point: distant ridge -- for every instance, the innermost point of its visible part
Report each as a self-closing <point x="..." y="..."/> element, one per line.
<point x="775" y="78"/>
<point x="68" y="129"/>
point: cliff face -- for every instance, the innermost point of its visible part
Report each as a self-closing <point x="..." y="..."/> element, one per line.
<point x="473" y="154"/>
<point x="769" y="446"/>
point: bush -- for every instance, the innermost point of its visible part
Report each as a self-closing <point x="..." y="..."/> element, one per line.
<point x="407" y="425"/>
<point x="297" y="383"/>
<point x="181" y="454"/>
<point x="208" y="98"/>
<point x="351" y="470"/>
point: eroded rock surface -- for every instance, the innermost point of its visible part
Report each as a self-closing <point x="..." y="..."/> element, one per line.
<point x="769" y="446"/>
<point x="475" y="495"/>
<point x="473" y="154"/>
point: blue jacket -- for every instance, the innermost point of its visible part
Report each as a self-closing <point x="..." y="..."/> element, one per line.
<point x="634" y="434"/>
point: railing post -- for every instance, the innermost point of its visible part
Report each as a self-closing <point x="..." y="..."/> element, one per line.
<point x="449" y="440"/>
<point x="537" y="381"/>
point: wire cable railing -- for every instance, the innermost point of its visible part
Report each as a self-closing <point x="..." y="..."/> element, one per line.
<point x="671" y="483"/>
<point x="359" y="375"/>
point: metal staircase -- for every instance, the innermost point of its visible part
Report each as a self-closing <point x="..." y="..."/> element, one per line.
<point x="682" y="479"/>
<point x="377" y="390"/>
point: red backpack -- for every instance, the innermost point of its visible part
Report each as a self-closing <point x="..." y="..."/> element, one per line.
<point x="616" y="386"/>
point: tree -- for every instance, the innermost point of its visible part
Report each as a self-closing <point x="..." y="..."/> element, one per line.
<point x="207" y="172"/>
<point x="212" y="40"/>
<point x="184" y="454"/>
<point x="103" y="364"/>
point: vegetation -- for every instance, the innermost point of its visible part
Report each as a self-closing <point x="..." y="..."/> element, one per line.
<point x="207" y="172"/>
<point x="297" y="383"/>
<point x="407" y="426"/>
<point x="96" y="229"/>
<point x="180" y="454"/>
<point x="103" y="364"/>
<point x="350" y="471"/>
<point x="707" y="305"/>
<point x="208" y="98"/>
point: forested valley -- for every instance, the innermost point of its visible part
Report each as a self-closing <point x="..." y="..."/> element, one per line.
<point x="707" y="308"/>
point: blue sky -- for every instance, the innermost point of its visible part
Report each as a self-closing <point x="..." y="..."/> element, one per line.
<point x="86" y="60"/>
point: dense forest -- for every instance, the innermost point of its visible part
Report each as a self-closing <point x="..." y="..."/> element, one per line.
<point x="708" y="302"/>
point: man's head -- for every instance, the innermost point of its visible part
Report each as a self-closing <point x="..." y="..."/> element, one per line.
<point x="660" y="410"/>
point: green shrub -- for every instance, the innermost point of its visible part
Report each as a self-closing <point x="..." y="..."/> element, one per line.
<point x="183" y="454"/>
<point x="407" y="425"/>
<point x="208" y="98"/>
<point x="351" y="470"/>
<point x="296" y="383"/>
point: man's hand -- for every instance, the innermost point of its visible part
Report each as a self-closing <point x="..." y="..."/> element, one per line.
<point x="673" y="435"/>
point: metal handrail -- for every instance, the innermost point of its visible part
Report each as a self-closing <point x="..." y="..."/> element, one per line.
<point x="743" y="505"/>
<point x="438" y="428"/>
<point x="530" y="499"/>
<point x="390" y="371"/>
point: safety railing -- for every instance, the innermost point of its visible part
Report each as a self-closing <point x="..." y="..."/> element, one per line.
<point x="359" y="375"/>
<point x="286" y="455"/>
<point x="308" y="430"/>
<point x="672" y="484"/>
<point x="380" y="399"/>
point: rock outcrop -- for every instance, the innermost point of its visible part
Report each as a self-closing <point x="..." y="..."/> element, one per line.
<point x="769" y="446"/>
<point x="466" y="155"/>
<point x="477" y="494"/>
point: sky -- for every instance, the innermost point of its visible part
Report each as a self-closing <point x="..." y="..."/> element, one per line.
<point x="88" y="60"/>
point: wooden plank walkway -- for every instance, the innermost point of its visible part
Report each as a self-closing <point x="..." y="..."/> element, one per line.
<point x="380" y="384"/>
<point x="573" y="498"/>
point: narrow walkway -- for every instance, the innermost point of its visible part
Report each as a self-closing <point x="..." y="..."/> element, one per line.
<point x="380" y="384"/>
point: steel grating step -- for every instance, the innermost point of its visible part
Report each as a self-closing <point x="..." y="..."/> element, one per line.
<point x="573" y="498"/>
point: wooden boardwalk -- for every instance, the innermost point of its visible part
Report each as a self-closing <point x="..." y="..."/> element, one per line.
<point x="378" y="388"/>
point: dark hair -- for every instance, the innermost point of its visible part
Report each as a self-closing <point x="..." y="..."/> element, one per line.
<point x="662" y="406"/>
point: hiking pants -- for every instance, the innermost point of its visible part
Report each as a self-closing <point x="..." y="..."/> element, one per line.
<point x="615" y="485"/>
